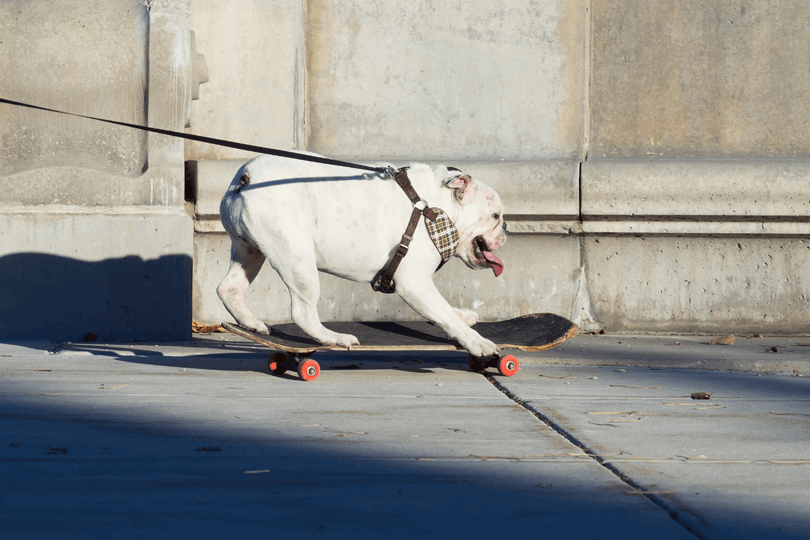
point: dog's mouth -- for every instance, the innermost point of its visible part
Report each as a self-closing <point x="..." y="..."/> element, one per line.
<point x="483" y="253"/>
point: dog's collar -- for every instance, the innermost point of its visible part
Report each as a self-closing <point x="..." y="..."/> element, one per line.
<point x="444" y="233"/>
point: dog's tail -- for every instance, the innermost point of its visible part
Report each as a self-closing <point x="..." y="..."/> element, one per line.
<point x="244" y="180"/>
<point x="239" y="181"/>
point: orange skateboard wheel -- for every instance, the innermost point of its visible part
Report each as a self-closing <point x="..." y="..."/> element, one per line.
<point x="508" y="365"/>
<point x="276" y="363"/>
<point x="309" y="370"/>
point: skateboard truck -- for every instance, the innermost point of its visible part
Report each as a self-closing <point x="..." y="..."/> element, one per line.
<point x="307" y="368"/>
<point x="507" y="365"/>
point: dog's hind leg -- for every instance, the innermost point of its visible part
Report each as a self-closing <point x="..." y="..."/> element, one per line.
<point x="296" y="264"/>
<point x="246" y="261"/>
<point x="304" y="284"/>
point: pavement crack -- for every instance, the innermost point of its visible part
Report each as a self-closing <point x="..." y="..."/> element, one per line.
<point x="637" y="489"/>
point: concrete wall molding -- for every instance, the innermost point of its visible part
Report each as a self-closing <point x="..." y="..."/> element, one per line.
<point x="696" y="197"/>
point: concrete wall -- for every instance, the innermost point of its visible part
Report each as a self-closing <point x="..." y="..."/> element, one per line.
<point x="94" y="237"/>
<point x="695" y="192"/>
<point x="653" y="157"/>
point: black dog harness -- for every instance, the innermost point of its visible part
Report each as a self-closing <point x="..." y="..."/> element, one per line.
<point x="385" y="280"/>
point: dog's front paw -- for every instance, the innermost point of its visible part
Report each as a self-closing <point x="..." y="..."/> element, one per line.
<point x="341" y="340"/>
<point x="481" y="347"/>
<point x="469" y="316"/>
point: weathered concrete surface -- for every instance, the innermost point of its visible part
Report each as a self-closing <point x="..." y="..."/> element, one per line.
<point x="105" y="440"/>
<point x="482" y="81"/>
<point x="769" y="354"/>
<point x="703" y="100"/>
<point x="254" y="50"/>
<point x="736" y="466"/>
<point x="118" y="276"/>
<point x="756" y="190"/>
<point x="42" y="62"/>
<point x="696" y="79"/>
<point x="93" y="237"/>
<point x="702" y="285"/>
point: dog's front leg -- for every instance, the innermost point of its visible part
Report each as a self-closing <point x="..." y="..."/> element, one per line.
<point x="421" y="294"/>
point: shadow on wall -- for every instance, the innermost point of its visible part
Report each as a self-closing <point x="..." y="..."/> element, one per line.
<point x="58" y="298"/>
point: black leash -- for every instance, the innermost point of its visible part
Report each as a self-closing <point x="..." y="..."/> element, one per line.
<point x="211" y="140"/>
<point x="385" y="280"/>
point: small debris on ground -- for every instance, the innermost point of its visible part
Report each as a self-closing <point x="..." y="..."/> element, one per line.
<point x="553" y="377"/>
<point x="209" y="449"/>
<point x="16" y="444"/>
<point x="701" y="395"/>
<point x="728" y="340"/>
<point x="608" y="425"/>
<point x="754" y="336"/>
<point x="114" y="387"/>
<point x="595" y="332"/>
<point x="200" y="328"/>
<point x="57" y="451"/>
<point x="340" y="431"/>
<point x="673" y="344"/>
<point x="772" y="349"/>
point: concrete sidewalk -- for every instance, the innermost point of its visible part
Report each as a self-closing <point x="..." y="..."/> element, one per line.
<point x="595" y="439"/>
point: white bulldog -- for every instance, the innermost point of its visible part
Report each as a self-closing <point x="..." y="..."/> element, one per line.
<point x="304" y="217"/>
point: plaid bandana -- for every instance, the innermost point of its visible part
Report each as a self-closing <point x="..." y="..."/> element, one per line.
<point x="443" y="233"/>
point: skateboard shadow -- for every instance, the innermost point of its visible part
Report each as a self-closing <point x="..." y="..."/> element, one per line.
<point x="247" y="357"/>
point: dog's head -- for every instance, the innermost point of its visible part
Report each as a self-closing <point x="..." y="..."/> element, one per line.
<point x="480" y="224"/>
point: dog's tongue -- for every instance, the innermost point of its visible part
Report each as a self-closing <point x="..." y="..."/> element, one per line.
<point x="494" y="262"/>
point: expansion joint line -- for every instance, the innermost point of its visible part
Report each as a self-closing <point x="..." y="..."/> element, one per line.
<point x="658" y="501"/>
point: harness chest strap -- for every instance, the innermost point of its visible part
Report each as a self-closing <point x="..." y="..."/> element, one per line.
<point x="385" y="281"/>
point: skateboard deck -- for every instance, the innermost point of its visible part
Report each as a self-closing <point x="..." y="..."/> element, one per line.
<point x="536" y="332"/>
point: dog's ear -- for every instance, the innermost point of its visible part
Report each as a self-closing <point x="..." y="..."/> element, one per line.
<point x="462" y="188"/>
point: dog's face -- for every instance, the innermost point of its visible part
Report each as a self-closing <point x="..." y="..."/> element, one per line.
<point x="481" y="226"/>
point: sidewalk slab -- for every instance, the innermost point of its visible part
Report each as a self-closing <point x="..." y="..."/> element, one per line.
<point x="686" y="352"/>
<point x="150" y="441"/>
<point x="736" y="466"/>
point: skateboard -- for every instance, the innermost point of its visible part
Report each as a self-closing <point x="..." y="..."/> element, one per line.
<point x="536" y="332"/>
